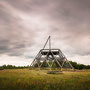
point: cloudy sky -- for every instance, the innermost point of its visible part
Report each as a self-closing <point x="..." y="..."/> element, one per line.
<point x="26" y="24"/>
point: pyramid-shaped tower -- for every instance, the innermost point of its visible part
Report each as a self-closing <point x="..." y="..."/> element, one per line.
<point x="52" y="58"/>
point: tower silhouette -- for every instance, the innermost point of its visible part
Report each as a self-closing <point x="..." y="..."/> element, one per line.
<point x="52" y="58"/>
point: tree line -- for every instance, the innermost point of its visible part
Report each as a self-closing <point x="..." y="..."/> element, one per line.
<point x="74" y="64"/>
<point x="12" y="67"/>
<point x="79" y="66"/>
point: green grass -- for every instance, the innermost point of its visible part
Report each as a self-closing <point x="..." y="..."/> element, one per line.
<point x="25" y="79"/>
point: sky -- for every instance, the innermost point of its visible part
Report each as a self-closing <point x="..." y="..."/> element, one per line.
<point x="26" y="24"/>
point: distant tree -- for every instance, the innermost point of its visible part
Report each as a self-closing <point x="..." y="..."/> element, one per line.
<point x="74" y="64"/>
<point x="13" y="67"/>
<point x="79" y="66"/>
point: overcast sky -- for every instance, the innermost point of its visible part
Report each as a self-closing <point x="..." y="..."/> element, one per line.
<point x="26" y="24"/>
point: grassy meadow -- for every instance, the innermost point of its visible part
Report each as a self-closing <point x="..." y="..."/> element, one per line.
<point x="25" y="79"/>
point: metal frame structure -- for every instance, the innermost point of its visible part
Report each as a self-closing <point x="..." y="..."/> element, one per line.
<point x="55" y="56"/>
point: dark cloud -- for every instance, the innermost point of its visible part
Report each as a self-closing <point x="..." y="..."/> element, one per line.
<point x="13" y="37"/>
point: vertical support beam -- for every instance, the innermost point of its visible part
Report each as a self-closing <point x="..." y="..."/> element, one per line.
<point x="49" y="43"/>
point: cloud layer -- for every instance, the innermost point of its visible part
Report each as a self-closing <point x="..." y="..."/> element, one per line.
<point x="26" y="24"/>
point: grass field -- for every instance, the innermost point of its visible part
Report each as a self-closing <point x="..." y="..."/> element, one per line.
<point x="25" y="79"/>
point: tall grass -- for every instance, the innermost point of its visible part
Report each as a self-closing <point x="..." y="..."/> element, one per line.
<point x="25" y="79"/>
